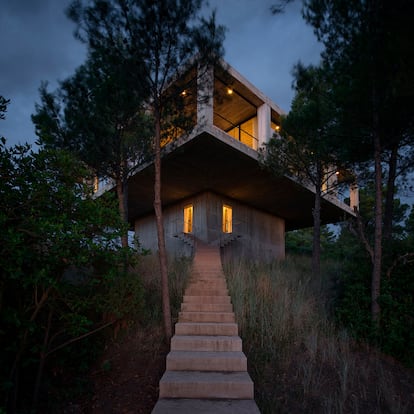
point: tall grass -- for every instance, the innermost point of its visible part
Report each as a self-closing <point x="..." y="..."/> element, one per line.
<point x="149" y="271"/>
<point x="299" y="361"/>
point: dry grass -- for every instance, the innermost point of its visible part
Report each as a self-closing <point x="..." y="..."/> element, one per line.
<point x="299" y="361"/>
<point x="178" y="273"/>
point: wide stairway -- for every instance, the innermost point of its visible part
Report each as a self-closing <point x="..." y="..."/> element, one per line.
<point x="206" y="370"/>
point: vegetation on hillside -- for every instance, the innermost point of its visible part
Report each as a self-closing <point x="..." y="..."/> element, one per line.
<point x="329" y="341"/>
<point x="299" y="358"/>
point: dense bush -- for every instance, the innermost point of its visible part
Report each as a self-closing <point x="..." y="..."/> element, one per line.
<point x="63" y="276"/>
<point x="351" y="283"/>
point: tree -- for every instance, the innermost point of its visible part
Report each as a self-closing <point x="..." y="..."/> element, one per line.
<point x="306" y="151"/>
<point x="59" y="261"/>
<point x="98" y="113"/>
<point x="370" y="62"/>
<point x="3" y="106"/>
<point x="395" y="333"/>
<point x="165" y="38"/>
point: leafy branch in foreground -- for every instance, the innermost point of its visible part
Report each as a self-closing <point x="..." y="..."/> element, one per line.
<point x="59" y="261"/>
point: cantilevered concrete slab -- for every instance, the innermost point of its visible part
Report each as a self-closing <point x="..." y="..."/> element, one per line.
<point x="210" y="160"/>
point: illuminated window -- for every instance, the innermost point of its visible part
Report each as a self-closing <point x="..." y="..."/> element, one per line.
<point x="227" y="226"/>
<point x="188" y="219"/>
<point x="245" y="132"/>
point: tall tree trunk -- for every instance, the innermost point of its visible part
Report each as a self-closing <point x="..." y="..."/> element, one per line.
<point x="162" y="252"/>
<point x="42" y="360"/>
<point x="389" y="196"/>
<point x="11" y="401"/>
<point x="121" y="194"/>
<point x="377" y="263"/>
<point x="316" y="244"/>
<point x="374" y="7"/>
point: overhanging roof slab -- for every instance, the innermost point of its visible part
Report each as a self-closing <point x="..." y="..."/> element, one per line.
<point x="214" y="161"/>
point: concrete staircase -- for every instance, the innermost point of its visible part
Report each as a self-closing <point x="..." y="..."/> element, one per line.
<point x="206" y="371"/>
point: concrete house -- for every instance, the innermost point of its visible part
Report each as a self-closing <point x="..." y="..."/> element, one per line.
<point x="213" y="187"/>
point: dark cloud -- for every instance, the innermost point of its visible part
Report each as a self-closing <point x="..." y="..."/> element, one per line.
<point x="38" y="44"/>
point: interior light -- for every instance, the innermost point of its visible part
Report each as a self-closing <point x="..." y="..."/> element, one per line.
<point x="229" y="91"/>
<point x="183" y="93"/>
<point x="277" y="128"/>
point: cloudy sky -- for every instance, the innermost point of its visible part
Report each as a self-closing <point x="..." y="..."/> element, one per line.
<point x="37" y="45"/>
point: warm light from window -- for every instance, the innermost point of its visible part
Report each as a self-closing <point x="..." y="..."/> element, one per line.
<point x="229" y="91"/>
<point x="227" y="225"/>
<point x="188" y="219"/>
<point x="275" y="127"/>
<point x="183" y="93"/>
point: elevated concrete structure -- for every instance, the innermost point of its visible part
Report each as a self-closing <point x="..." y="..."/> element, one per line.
<point x="213" y="185"/>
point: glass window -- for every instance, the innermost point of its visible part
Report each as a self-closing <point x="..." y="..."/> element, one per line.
<point x="188" y="219"/>
<point x="227" y="226"/>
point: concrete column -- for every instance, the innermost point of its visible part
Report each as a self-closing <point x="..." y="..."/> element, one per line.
<point x="205" y="90"/>
<point x="264" y="131"/>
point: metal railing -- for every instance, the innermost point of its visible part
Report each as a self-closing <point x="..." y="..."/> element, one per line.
<point x="241" y="131"/>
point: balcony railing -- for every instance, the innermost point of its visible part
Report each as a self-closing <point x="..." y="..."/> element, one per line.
<point x="237" y="132"/>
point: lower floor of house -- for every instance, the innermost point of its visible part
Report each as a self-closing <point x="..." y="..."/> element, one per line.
<point x="240" y="230"/>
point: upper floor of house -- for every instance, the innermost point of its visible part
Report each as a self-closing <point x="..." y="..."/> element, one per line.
<point x="223" y="98"/>
<point x="227" y="120"/>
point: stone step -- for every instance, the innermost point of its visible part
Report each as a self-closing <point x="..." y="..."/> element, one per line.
<point x="207" y="263"/>
<point x="208" y="285"/>
<point x="197" y="384"/>
<point x="207" y="275"/>
<point x="206" y="361"/>
<point x="191" y="406"/>
<point x="206" y="343"/>
<point x="206" y="317"/>
<point x="206" y="299"/>
<point x="206" y="278"/>
<point x="197" y="291"/>
<point x="205" y="267"/>
<point x="206" y="329"/>
<point x="206" y="307"/>
<point x="206" y="369"/>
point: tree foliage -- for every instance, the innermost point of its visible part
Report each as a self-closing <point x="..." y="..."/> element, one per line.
<point x="3" y="106"/>
<point x="164" y="39"/>
<point x="98" y="113"/>
<point x="60" y="265"/>
<point x="306" y="149"/>
<point x="395" y="333"/>
<point x="370" y="63"/>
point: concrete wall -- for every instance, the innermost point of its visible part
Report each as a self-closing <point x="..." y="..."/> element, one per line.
<point x="256" y="234"/>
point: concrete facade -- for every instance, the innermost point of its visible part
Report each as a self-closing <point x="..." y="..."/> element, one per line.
<point x="217" y="163"/>
<point x="255" y="234"/>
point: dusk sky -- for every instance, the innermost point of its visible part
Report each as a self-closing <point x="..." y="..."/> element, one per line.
<point x="38" y="45"/>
